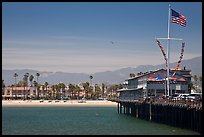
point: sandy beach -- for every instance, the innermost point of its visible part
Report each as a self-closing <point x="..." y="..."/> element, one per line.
<point x="58" y="103"/>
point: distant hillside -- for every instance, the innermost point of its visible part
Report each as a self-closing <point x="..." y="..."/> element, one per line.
<point x="117" y="76"/>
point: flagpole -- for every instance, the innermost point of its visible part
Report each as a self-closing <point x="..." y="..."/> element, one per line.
<point x="168" y="51"/>
<point x="167" y="80"/>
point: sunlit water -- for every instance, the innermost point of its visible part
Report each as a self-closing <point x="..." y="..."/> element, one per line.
<point x="79" y="121"/>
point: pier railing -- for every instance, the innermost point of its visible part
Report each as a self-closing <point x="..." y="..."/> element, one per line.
<point x="189" y="103"/>
<point x="185" y="114"/>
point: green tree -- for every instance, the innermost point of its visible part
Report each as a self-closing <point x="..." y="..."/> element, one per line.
<point x="47" y="93"/>
<point x="200" y="79"/>
<point x="53" y="91"/>
<point x="112" y="90"/>
<point x="132" y="75"/>
<point x="103" y="89"/>
<point x="56" y="91"/>
<point x="25" y="79"/>
<point x="90" y="92"/>
<point x="3" y="86"/>
<point x="31" y="77"/>
<point x="98" y="91"/>
<point x="26" y="76"/>
<point x="42" y="91"/>
<point x="62" y="89"/>
<point x="91" y="77"/>
<point x="71" y="90"/>
<point x="86" y="88"/>
<point x="195" y="77"/>
<point x="15" y="75"/>
<point x="35" y="83"/>
<point x="190" y="86"/>
<point x="77" y="90"/>
<point x="37" y="74"/>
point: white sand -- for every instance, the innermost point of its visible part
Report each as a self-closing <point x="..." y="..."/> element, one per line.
<point x="58" y="103"/>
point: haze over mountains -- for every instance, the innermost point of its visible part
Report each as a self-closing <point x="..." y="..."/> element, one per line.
<point x="107" y="77"/>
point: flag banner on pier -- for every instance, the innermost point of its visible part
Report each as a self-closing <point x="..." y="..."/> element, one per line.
<point x="178" y="18"/>
<point x="181" y="56"/>
<point x="163" y="52"/>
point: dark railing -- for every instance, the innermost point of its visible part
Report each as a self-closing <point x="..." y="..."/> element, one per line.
<point x="168" y="101"/>
<point x="185" y="114"/>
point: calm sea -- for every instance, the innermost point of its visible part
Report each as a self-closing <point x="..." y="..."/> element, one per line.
<point x="79" y="121"/>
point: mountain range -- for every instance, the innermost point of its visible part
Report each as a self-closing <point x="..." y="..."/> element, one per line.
<point x="107" y="77"/>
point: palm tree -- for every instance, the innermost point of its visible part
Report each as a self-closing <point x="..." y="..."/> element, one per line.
<point x="46" y="84"/>
<point x="71" y="90"/>
<point x="200" y="79"/>
<point x="3" y="86"/>
<point x="27" y="76"/>
<point x="86" y="88"/>
<point x="103" y="89"/>
<point x="98" y="91"/>
<point x="52" y="93"/>
<point x="37" y="74"/>
<point x="25" y="79"/>
<point x="36" y="90"/>
<point x="62" y="89"/>
<point x="77" y="90"/>
<point x="31" y="82"/>
<point x="132" y="75"/>
<point x="91" y="91"/>
<point x="15" y="75"/>
<point x="195" y="77"/>
<point x="42" y="88"/>
<point x="91" y="77"/>
<point x="11" y="94"/>
<point x="57" y="87"/>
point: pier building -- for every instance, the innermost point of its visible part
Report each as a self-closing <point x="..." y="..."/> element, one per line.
<point x="153" y="84"/>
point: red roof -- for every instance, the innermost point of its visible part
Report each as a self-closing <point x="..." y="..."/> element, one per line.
<point x="151" y="79"/>
<point x="181" y="79"/>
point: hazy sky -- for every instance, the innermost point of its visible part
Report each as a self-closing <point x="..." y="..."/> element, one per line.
<point x="91" y="37"/>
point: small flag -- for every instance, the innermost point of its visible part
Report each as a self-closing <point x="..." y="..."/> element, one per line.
<point x="178" y="18"/>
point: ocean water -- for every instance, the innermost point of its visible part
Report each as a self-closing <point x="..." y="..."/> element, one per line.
<point x="78" y="120"/>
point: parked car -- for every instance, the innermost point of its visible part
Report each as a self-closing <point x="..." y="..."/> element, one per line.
<point x="174" y="96"/>
<point x="195" y="96"/>
<point x="183" y="96"/>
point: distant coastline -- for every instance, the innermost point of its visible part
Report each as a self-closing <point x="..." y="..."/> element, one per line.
<point x="111" y="77"/>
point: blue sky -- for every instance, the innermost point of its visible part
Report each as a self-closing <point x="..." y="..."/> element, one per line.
<point x="76" y="36"/>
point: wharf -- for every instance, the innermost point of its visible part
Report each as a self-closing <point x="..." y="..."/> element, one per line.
<point x="182" y="114"/>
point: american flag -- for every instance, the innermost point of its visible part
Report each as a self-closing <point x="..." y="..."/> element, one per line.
<point x="178" y="18"/>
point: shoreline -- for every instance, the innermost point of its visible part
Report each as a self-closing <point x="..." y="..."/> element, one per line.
<point x="96" y="103"/>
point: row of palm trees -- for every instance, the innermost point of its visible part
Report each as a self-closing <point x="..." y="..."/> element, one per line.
<point x="24" y="82"/>
<point x="57" y="91"/>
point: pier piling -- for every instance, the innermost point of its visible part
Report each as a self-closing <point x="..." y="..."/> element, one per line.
<point x="176" y="115"/>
